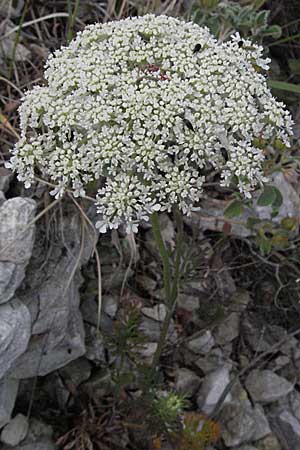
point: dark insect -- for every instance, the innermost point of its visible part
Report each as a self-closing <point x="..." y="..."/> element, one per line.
<point x="188" y="124"/>
<point x="197" y="48"/>
<point x="240" y="44"/>
<point x="224" y="153"/>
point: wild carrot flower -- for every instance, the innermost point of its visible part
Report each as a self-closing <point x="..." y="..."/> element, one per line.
<point x="144" y="106"/>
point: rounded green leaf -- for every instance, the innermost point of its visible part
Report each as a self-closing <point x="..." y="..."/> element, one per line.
<point x="267" y="197"/>
<point x="235" y="208"/>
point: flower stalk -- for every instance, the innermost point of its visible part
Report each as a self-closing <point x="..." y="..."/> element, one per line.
<point x="170" y="281"/>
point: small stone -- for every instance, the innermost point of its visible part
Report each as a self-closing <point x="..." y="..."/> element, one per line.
<point x="287" y="428"/>
<point x="240" y="299"/>
<point x="265" y="386"/>
<point x="152" y="329"/>
<point x="94" y="345"/>
<point x="246" y="447"/>
<point x="242" y="423"/>
<point x="8" y="394"/>
<point x="110" y="305"/>
<point x="148" y="284"/>
<point x="15" y="431"/>
<point x="270" y="442"/>
<point x="187" y="382"/>
<point x="39" y="437"/>
<point x="15" y="331"/>
<point x="212" y="361"/>
<point x="262" y="427"/>
<point x="293" y="401"/>
<point x="238" y="424"/>
<point x="158" y="312"/>
<point x="228" y="330"/>
<point x="201" y="344"/>
<point x="147" y="352"/>
<point x="76" y="371"/>
<point x="212" y="388"/>
<point x="281" y="361"/>
<point x="188" y="302"/>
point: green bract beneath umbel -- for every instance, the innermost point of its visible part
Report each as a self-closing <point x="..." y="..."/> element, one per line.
<point x="146" y="106"/>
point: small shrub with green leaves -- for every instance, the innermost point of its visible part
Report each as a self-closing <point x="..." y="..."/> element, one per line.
<point x="143" y="106"/>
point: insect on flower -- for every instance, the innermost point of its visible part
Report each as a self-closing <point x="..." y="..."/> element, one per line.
<point x="197" y="48"/>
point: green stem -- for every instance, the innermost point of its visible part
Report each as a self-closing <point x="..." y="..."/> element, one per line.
<point x="72" y="18"/>
<point x="17" y="39"/>
<point x="179" y="240"/>
<point x="171" y="289"/>
<point x="164" y="255"/>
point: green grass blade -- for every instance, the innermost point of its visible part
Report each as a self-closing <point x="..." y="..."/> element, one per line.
<point x="283" y="86"/>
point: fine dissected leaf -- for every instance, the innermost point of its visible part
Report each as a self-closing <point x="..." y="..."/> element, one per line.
<point x="235" y="208"/>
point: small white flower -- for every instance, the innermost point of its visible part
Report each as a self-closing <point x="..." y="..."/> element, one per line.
<point x="131" y="105"/>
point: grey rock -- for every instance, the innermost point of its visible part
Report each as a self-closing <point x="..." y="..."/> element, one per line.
<point x="261" y="337"/>
<point x="293" y="400"/>
<point x="5" y="179"/>
<point x="15" y="331"/>
<point x="2" y="198"/>
<point x="286" y="427"/>
<point x="89" y="311"/>
<point x="94" y="345"/>
<point x="241" y="421"/>
<point x="270" y="442"/>
<point x="188" y="302"/>
<point x="238" y="424"/>
<point x="214" y="360"/>
<point x="152" y="329"/>
<point x="16" y="242"/>
<point x="186" y="382"/>
<point x="147" y="283"/>
<point x="9" y="10"/>
<point x="240" y="300"/>
<point x="76" y="371"/>
<point x="157" y="312"/>
<point x="110" y="305"/>
<point x="265" y="386"/>
<point x="8" y="394"/>
<point x="52" y="298"/>
<point x="146" y="352"/>
<point x="201" y="343"/>
<point x="8" y="48"/>
<point x="290" y="206"/>
<point x="228" y="330"/>
<point x="246" y="447"/>
<point x="212" y="388"/>
<point x="39" y="437"/>
<point x="262" y="427"/>
<point x="216" y="210"/>
<point x="15" y="431"/>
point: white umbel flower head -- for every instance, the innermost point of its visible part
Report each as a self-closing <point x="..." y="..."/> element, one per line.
<point x="144" y="106"/>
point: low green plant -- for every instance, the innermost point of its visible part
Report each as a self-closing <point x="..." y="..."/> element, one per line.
<point x="225" y="17"/>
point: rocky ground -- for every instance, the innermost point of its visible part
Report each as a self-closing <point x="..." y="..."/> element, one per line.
<point x="69" y="376"/>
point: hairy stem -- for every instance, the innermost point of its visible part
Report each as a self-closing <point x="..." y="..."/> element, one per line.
<point x="164" y="256"/>
<point x="170" y="283"/>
